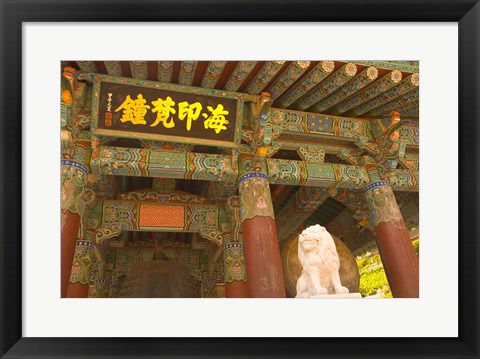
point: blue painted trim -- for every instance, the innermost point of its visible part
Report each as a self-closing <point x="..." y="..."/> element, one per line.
<point x="233" y="245"/>
<point x="72" y="163"/>
<point x="252" y="175"/>
<point x="86" y="244"/>
<point x="375" y="185"/>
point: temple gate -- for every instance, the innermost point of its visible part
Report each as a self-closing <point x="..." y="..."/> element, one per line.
<point x="212" y="175"/>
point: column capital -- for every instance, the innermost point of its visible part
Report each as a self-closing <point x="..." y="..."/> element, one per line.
<point x="381" y="202"/>
<point x="255" y="197"/>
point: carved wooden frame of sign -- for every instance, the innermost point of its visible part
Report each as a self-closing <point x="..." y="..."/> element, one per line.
<point x="150" y="110"/>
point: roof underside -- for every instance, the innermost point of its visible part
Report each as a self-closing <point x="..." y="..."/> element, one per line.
<point x="361" y="89"/>
<point x="368" y="89"/>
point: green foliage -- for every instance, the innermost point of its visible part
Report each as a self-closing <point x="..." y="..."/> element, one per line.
<point x="416" y="245"/>
<point x="372" y="274"/>
<point x="373" y="280"/>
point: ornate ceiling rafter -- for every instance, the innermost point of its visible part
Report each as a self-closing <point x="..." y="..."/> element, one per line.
<point x="328" y="87"/>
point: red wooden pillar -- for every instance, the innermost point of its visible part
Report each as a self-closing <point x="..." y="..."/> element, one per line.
<point x="73" y="181"/>
<point x="236" y="289"/>
<point x="77" y="290"/>
<point x="261" y="248"/>
<point x="69" y="236"/>
<point x="394" y="244"/>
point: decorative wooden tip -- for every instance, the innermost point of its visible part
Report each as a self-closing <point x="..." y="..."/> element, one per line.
<point x="67" y="97"/>
<point x="303" y="64"/>
<point x="66" y="135"/>
<point x="372" y="73"/>
<point x="351" y="69"/>
<point x="415" y="79"/>
<point x="396" y="76"/>
<point x="69" y="72"/>
<point x="364" y="222"/>
<point x="261" y="151"/>
<point x="328" y="66"/>
<point x="265" y="96"/>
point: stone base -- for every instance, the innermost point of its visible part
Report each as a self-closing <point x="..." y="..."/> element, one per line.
<point x="338" y="296"/>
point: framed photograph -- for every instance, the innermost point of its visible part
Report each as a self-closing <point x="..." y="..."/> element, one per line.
<point x="239" y="180"/>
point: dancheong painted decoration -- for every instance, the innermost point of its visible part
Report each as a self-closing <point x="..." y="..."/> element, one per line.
<point x="258" y="179"/>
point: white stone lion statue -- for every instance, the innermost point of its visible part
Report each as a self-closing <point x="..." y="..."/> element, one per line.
<point x="320" y="264"/>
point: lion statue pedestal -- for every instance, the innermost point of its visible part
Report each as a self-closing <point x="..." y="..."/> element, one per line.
<point x="320" y="263"/>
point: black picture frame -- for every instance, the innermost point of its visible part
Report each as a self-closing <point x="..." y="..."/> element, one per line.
<point x="13" y="13"/>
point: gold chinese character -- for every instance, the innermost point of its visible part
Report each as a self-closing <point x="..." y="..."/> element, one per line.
<point x="134" y="110"/>
<point x="163" y="109"/>
<point x="191" y="111"/>
<point x="217" y="120"/>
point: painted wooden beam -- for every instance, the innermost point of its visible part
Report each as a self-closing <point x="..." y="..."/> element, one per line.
<point x="165" y="71"/>
<point x="287" y="78"/>
<point x="239" y="75"/>
<point x="412" y="107"/>
<point x="314" y="125"/>
<point x="139" y="69"/>
<point x="410" y="161"/>
<point x="263" y="77"/>
<point x="220" y="191"/>
<point x="114" y="68"/>
<point x="326" y="87"/>
<point x="87" y="66"/>
<point x="344" y="226"/>
<point x="405" y="180"/>
<point x="300" y="206"/>
<point x="383" y="84"/>
<point x="364" y="78"/>
<point x="300" y="173"/>
<point x="403" y="66"/>
<point x="400" y="101"/>
<point x="329" y="148"/>
<point x="212" y="73"/>
<point x="412" y="113"/>
<point x="187" y="72"/>
<point x="312" y="78"/>
<point x="353" y="200"/>
<point x="318" y="124"/>
<point x="141" y="162"/>
<point x="407" y="84"/>
<point x="279" y="195"/>
<point x="118" y="216"/>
